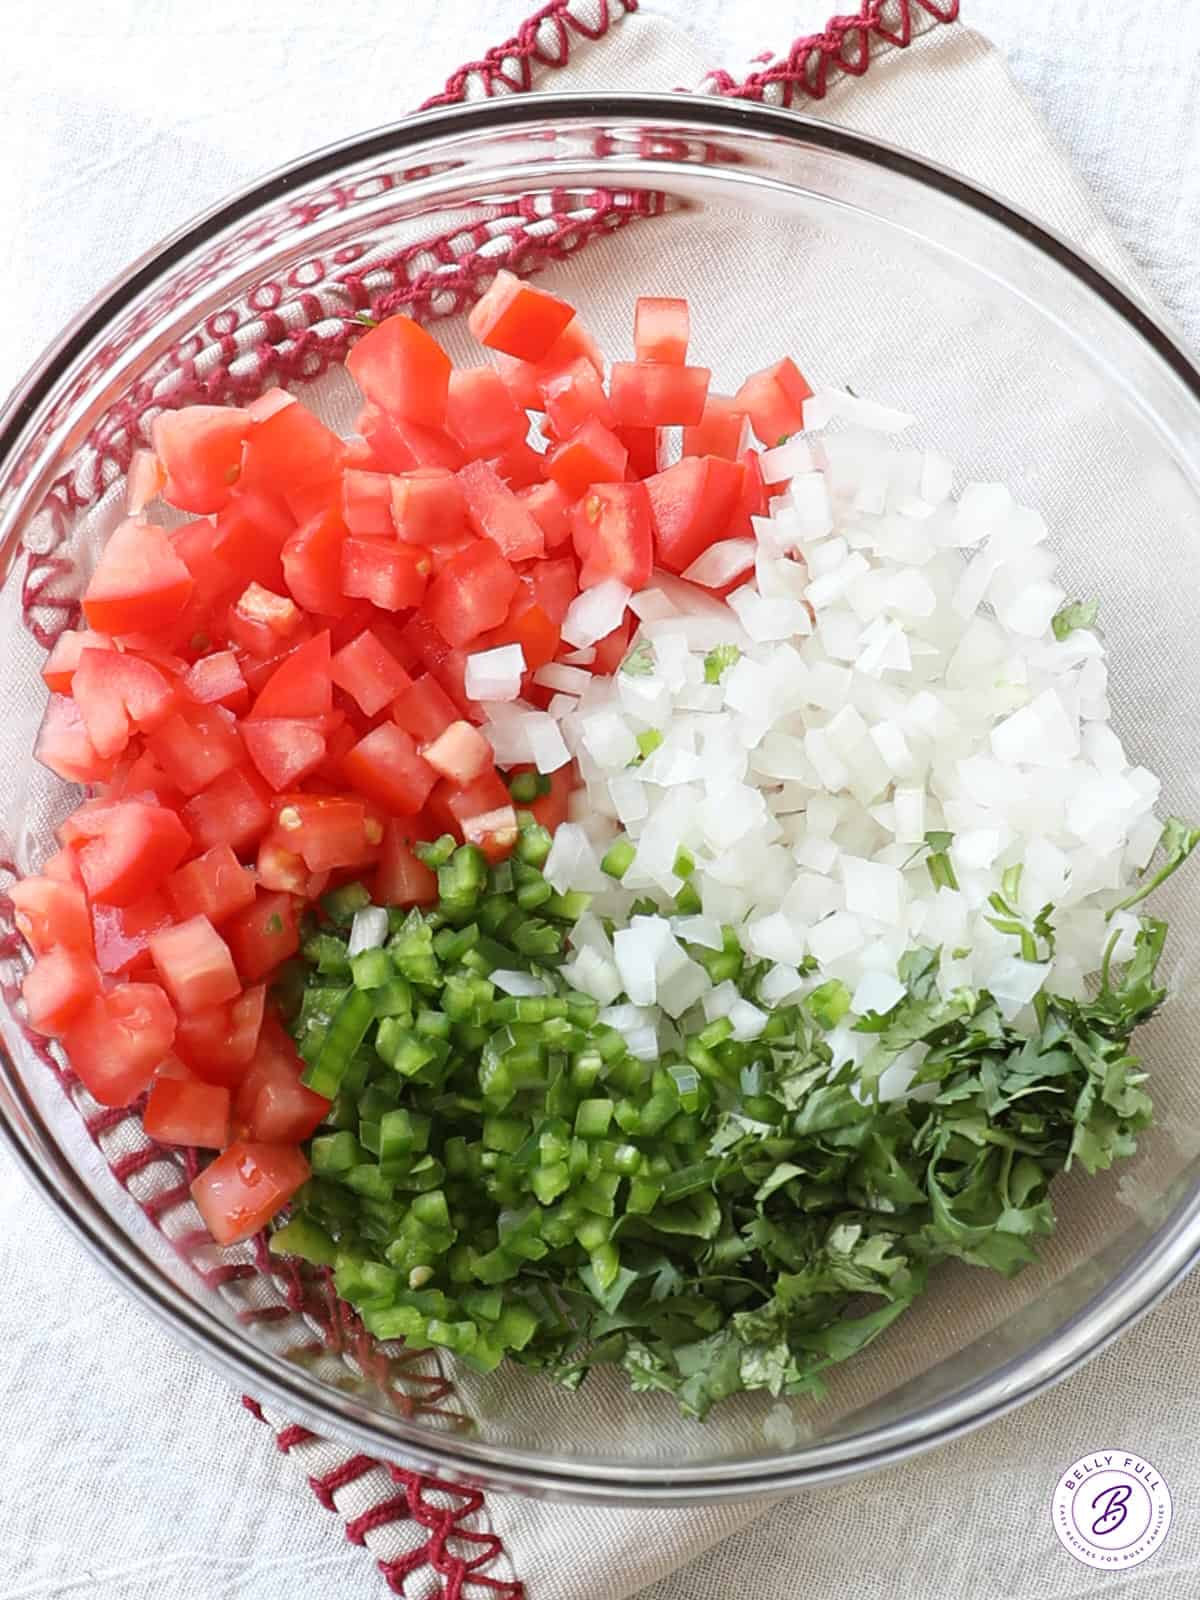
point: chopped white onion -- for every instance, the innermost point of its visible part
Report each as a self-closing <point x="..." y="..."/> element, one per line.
<point x="495" y="674"/>
<point x="368" y="930"/>
<point x="721" y="563"/>
<point x="595" y="612"/>
<point x="518" y="983"/>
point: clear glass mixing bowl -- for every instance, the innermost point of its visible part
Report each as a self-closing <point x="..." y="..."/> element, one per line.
<point x="1025" y="364"/>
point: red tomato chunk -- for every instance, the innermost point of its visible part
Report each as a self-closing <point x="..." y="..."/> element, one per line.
<point x="118" y="1039"/>
<point x="519" y="319"/>
<point x="187" y="1112"/>
<point x="244" y="1188"/>
<point x="194" y="964"/>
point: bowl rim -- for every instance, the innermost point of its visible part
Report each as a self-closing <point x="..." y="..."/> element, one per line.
<point x="1163" y="1258"/>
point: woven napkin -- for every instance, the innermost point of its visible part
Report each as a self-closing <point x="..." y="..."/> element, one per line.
<point x="897" y="73"/>
<point x="894" y="71"/>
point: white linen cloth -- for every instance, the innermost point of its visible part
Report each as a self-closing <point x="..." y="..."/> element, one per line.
<point x="130" y="1471"/>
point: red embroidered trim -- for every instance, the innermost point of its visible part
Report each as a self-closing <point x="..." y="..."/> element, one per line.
<point x="844" y="46"/>
<point x="542" y="40"/>
<point x="458" y="1553"/>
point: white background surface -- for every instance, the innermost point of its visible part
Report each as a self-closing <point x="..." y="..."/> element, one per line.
<point x="117" y="121"/>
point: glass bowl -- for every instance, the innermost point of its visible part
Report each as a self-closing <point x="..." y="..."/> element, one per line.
<point x="1025" y="364"/>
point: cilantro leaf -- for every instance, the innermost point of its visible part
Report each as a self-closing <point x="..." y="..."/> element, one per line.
<point x="1177" y="843"/>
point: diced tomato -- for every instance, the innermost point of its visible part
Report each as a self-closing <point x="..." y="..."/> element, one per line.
<point x="282" y="869"/>
<point x="59" y="666"/>
<point x="573" y="394"/>
<point x="312" y="564"/>
<point x="367" y="503"/>
<point x="118" y="1039"/>
<point x="364" y="615"/>
<point x="646" y="447"/>
<point x="122" y="933"/>
<point x="290" y="458"/>
<point x="518" y="319"/>
<point x="593" y="454"/>
<point x="196" y="745"/>
<point x="368" y="672"/>
<point x="272" y="1103"/>
<point x="63" y="868"/>
<point x="494" y="832"/>
<point x="127" y="848"/>
<point x="261" y="622"/>
<point x="195" y="964"/>
<point x="774" y="401"/>
<point x="721" y="430"/>
<point x="269" y="402"/>
<point x="613" y="648"/>
<point x="301" y="686"/>
<point x="143" y="481"/>
<point x="200" y="447"/>
<point x="117" y="693"/>
<point x="284" y="750"/>
<point x="424" y="709"/>
<point x="386" y="767"/>
<point x="494" y="511"/>
<point x="234" y="810"/>
<point x="614" y="536"/>
<point x="451" y="805"/>
<point x="754" y="500"/>
<point x="461" y="753"/>
<point x="327" y="832"/>
<point x="526" y="378"/>
<point x="263" y="935"/>
<point x="402" y="879"/>
<point x="338" y="744"/>
<point x="646" y="394"/>
<point x="200" y="546"/>
<point x="142" y="778"/>
<point x="441" y="555"/>
<point x="389" y="574"/>
<point x="214" y="885"/>
<point x="549" y="505"/>
<point x="245" y="1023"/>
<point x="140" y="585"/>
<point x="421" y="642"/>
<point x="251" y="532"/>
<point x="692" y="504"/>
<point x="551" y="809"/>
<point x="403" y="370"/>
<point x="217" y="680"/>
<point x="51" y="915"/>
<point x="554" y="584"/>
<point x="661" y="330"/>
<point x="427" y="505"/>
<point x="520" y="466"/>
<point x="56" y="989"/>
<point x="245" y="1186"/>
<point x="529" y="626"/>
<point x="398" y="444"/>
<point x="481" y="413"/>
<point x="186" y="1111"/>
<point x="218" y="1042"/>
<point x="472" y="593"/>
